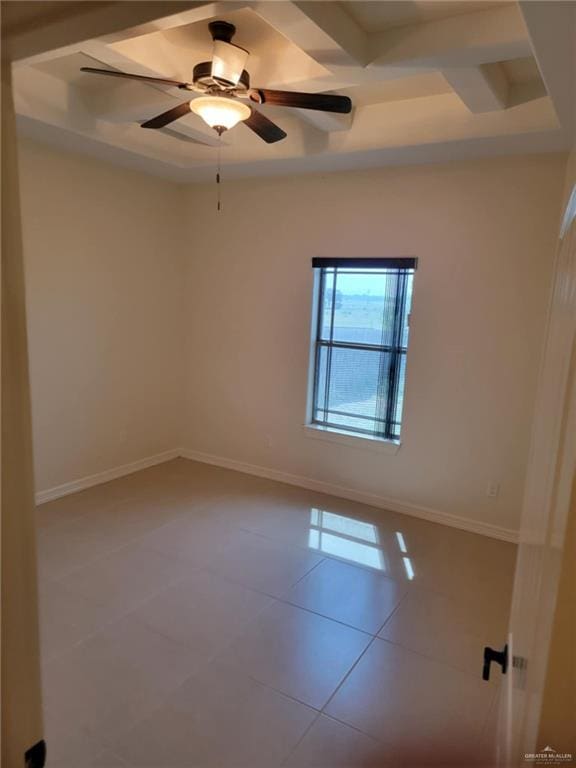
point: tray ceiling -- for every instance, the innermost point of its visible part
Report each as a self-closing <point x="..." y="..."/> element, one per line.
<point x="428" y="80"/>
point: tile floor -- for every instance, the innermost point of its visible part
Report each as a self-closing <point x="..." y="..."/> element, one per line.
<point x="194" y="617"/>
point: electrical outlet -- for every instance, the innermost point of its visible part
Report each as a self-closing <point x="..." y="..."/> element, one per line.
<point x="492" y="489"/>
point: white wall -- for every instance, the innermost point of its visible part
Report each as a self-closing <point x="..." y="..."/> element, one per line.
<point x="484" y="233"/>
<point x="102" y="249"/>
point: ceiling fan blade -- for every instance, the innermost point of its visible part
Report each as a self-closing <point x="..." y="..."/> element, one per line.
<point x="264" y="128"/>
<point x="168" y="117"/>
<point x="145" y="78"/>
<point x="324" y="102"/>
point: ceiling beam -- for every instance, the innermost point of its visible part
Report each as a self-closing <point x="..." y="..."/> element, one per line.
<point x="333" y="20"/>
<point x="482" y="89"/>
<point x="470" y="39"/>
<point x="551" y="28"/>
<point x="323" y="30"/>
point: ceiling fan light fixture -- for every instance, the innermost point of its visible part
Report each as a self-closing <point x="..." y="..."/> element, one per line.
<point x="219" y="111"/>
<point x="228" y="62"/>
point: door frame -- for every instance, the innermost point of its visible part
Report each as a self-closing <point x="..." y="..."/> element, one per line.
<point x="547" y="499"/>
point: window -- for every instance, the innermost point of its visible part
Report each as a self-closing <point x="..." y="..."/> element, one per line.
<point x="360" y="344"/>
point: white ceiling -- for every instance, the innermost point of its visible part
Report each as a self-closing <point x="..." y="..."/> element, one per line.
<point x="428" y="80"/>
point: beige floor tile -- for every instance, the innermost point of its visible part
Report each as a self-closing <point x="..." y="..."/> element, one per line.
<point x="63" y="548"/>
<point x="348" y="534"/>
<point x="138" y="516"/>
<point x="81" y="759"/>
<point x="358" y="597"/>
<point x="219" y="718"/>
<point x="262" y="510"/>
<point x="425" y="710"/>
<point x="445" y="628"/>
<point x="330" y="744"/>
<point x="122" y="580"/>
<point x="72" y="507"/>
<point x="204" y="612"/>
<point x="107" y="683"/>
<point x="171" y="479"/>
<point x="199" y="479"/>
<point x="66" y="619"/>
<point x="67" y="746"/>
<point x="162" y="492"/>
<point x="197" y="539"/>
<point x="454" y="562"/>
<point x="67" y="546"/>
<point x="125" y="521"/>
<point x="298" y="653"/>
<point x="107" y="759"/>
<point x="404" y="548"/>
<point x="264" y="565"/>
<point x="207" y="669"/>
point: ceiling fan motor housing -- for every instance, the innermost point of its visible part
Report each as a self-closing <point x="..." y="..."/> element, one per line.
<point x="202" y="76"/>
<point x="222" y="30"/>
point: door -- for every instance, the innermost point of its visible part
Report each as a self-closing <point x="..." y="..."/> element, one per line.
<point x="551" y="468"/>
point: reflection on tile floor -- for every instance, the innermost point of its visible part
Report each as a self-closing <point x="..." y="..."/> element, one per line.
<point x="194" y="617"/>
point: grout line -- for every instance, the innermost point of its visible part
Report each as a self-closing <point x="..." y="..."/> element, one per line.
<point x="325" y="616"/>
<point x="110" y="622"/>
<point x="301" y="739"/>
<point x="284" y="694"/>
<point x="363" y="733"/>
<point x="393" y="612"/>
<point x="436" y="660"/>
<point x="136" y="540"/>
<point x="304" y="576"/>
<point x="347" y="675"/>
<point x="394" y="506"/>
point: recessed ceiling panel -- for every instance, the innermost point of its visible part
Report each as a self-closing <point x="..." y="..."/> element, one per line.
<point x="378" y="15"/>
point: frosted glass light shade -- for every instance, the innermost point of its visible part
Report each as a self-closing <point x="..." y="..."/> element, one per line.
<point x="228" y="61"/>
<point x="218" y="111"/>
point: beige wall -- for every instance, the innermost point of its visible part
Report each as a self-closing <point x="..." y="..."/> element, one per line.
<point x="102" y="249"/>
<point x="484" y="233"/>
<point x="156" y="323"/>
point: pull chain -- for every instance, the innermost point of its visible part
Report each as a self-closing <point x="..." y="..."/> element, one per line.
<point x="218" y="193"/>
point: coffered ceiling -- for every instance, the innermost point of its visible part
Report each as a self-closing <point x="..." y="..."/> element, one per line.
<point x="428" y="80"/>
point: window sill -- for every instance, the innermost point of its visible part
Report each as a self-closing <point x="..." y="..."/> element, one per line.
<point x="366" y="442"/>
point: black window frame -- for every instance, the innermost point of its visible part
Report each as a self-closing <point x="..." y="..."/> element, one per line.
<point x="386" y="427"/>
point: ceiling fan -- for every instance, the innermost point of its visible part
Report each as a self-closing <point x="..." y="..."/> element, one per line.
<point x="224" y="86"/>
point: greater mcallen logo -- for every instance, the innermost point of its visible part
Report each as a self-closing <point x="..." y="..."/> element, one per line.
<point x="548" y="756"/>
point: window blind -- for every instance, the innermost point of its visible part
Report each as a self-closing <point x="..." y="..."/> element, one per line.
<point x="361" y="343"/>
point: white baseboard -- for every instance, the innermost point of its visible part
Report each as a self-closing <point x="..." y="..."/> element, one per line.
<point x="382" y="502"/>
<point x="103" y="477"/>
